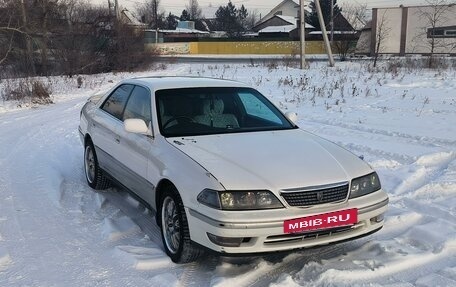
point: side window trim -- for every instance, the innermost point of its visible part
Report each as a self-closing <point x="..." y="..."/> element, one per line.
<point x="151" y="127"/>
<point x="150" y="97"/>
<point x="108" y="97"/>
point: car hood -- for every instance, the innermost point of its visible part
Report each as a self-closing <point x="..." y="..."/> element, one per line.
<point x="272" y="160"/>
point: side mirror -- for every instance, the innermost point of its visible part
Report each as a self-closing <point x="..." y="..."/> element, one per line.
<point x="136" y="126"/>
<point x="292" y="116"/>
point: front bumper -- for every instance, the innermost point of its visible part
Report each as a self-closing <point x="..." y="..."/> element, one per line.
<point x="268" y="236"/>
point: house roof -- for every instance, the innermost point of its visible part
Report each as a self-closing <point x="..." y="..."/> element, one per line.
<point x="278" y="29"/>
<point x="289" y="19"/>
<point x="341" y="23"/>
<point x="271" y="13"/>
<point x="183" y="31"/>
<point x="278" y="6"/>
<point x="335" y="32"/>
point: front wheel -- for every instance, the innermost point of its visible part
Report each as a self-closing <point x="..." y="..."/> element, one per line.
<point x="174" y="229"/>
<point x="93" y="173"/>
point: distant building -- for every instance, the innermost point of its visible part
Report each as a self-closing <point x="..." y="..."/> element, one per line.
<point x="185" y="32"/>
<point x="280" y="26"/>
<point x="409" y="30"/>
<point x="276" y="20"/>
<point x="282" y="21"/>
<point x="284" y="8"/>
<point x="343" y="31"/>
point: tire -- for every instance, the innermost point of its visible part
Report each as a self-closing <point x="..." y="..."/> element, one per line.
<point x="93" y="173"/>
<point x="174" y="229"/>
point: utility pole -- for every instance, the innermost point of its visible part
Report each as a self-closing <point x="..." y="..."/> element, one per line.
<point x="302" y="25"/>
<point x="324" y="33"/>
<point x="332" y="21"/>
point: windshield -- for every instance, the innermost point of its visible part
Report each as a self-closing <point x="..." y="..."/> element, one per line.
<point x="206" y="111"/>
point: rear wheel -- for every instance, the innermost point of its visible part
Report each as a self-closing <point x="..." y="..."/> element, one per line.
<point x="174" y="229"/>
<point x="94" y="174"/>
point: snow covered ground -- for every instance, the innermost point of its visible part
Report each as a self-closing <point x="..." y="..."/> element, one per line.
<point x="56" y="231"/>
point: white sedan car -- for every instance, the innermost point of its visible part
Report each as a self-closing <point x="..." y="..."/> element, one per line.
<point x="224" y="169"/>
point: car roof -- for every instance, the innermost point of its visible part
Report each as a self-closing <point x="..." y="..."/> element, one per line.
<point x="169" y="82"/>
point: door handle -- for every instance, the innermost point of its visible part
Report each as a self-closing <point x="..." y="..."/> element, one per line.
<point x="118" y="140"/>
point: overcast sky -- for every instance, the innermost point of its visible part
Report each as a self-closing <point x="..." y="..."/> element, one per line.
<point x="263" y="6"/>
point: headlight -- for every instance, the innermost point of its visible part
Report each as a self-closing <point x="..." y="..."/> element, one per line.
<point x="364" y="185"/>
<point x="239" y="200"/>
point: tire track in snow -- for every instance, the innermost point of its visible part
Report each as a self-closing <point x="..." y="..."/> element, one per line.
<point x="137" y="212"/>
<point x="192" y="274"/>
<point x="37" y="172"/>
<point x="269" y="268"/>
<point x="427" y="170"/>
<point x="427" y="262"/>
<point x="407" y="138"/>
<point x="294" y="262"/>
<point x="376" y="142"/>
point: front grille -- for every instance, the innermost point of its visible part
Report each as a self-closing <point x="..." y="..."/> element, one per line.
<point x="310" y="197"/>
<point x="294" y="237"/>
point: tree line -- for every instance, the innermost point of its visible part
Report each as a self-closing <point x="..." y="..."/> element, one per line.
<point x="229" y="18"/>
<point x="54" y="37"/>
<point x="50" y="37"/>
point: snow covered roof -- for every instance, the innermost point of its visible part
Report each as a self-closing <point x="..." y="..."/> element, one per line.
<point x="289" y="19"/>
<point x="278" y="29"/>
<point x="292" y="5"/>
<point x="293" y="20"/>
<point x="335" y="32"/>
<point x="308" y="26"/>
<point x="184" y="31"/>
<point x="281" y="29"/>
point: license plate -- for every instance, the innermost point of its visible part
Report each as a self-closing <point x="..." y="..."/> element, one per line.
<point x="321" y="221"/>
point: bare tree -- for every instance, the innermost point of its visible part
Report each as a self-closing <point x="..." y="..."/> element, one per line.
<point x="45" y="37"/>
<point x="8" y="29"/>
<point x="431" y="38"/>
<point x="194" y="10"/>
<point x="29" y="55"/>
<point x="45" y="11"/>
<point x="77" y="48"/>
<point x="16" y="42"/>
<point x="357" y="17"/>
<point x="149" y="12"/>
<point x="252" y="19"/>
<point x="382" y="33"/>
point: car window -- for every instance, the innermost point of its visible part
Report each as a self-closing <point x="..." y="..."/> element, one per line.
<point x="216" y="110"/>
<point x="115" y="103"/>
<point x="138" y="105"/>
<point x="255" y="107"/>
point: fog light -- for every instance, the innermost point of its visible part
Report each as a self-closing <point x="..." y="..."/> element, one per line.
<point x="225" y="241"/>
<point x="378" y="218"/>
